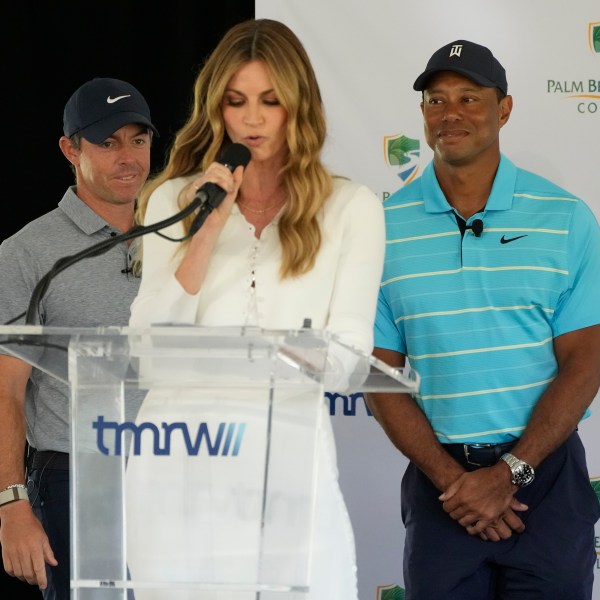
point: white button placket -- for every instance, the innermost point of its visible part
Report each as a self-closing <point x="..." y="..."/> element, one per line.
<point x="252" y="312"/>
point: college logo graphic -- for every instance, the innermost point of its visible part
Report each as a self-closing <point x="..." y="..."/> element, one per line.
<point x="404" y="152"/>
<point x="390" y="592"/>
<point x="584" y="92"/>
<point x="594" y="36"/>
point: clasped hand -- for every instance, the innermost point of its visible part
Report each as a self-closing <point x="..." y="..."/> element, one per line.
<point x="483" y="502"/>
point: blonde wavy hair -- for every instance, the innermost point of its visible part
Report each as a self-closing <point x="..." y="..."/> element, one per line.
<point x="203" y="137"/>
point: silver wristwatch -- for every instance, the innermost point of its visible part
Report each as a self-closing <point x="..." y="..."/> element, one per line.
<point x="14" y="492"/>
<point x="522" y="473"/>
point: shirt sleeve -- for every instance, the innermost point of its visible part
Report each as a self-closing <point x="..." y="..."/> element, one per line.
<point x="387" y="334"/>
<point x="359" y="269"/>
<point x="161" y="298"/>
<point x="20" y="274"/>
<point x="578" y="306"/>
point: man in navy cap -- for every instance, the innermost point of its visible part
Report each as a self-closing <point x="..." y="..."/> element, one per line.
<point x="490" y="291"/>
<point x="107" y="137"/>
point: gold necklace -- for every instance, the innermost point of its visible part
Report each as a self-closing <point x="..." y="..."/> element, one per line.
<point x="262" y="211"/>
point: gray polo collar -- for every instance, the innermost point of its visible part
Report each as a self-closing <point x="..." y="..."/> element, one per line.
<point x="81" y="214"/>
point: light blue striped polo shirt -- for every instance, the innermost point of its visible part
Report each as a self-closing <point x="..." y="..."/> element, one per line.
<point x="477" y="318"/>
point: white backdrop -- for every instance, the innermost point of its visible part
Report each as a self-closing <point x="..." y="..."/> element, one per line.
<point x="367" y="55"/>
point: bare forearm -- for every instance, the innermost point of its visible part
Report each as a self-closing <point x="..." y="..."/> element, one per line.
<point x="193" y="267"/>
<point x="564" y="402"/>
<point x="552" y="421"/>
<point x="12" y="444"/>
<point x="25" y="547"/>
<point x="13" y="378"/>
<point x="410" y="431"/>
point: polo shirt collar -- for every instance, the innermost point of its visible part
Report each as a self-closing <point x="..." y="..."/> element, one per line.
<point x="501" y="196"/>
<point x="81" y="214"/>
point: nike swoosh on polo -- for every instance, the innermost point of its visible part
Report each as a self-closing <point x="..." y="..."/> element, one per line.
<point x="504" y="240"/>
<point x="113" y="100"/>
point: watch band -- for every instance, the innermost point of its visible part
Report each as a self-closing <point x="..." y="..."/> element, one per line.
<point x="12" y="493"/>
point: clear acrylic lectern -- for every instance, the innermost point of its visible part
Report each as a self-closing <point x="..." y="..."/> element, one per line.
<point x="193" y="453"/>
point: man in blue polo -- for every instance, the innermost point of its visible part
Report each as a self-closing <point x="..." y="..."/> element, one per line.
<point x="491" y="292"/>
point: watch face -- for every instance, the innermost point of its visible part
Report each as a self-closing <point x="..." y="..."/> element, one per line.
<point x="523" y="475"/>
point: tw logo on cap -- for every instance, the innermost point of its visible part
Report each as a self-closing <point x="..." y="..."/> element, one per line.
<point x="455" y="50"/>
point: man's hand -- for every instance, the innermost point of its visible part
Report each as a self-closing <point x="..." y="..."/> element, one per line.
<point x="503" y="527"/>
<point x="483" y="503"/>
<point x="25" y="545"/>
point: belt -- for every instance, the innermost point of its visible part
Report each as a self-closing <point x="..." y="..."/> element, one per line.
<point x="478" y="455"/>
<point x="47" y="459"/>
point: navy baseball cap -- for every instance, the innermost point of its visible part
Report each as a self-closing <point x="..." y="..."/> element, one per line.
<point x="469" y="59"/>
<point x="101" y="106"/>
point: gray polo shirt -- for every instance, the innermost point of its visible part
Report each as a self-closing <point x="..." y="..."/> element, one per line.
<point x="95" y="291"/>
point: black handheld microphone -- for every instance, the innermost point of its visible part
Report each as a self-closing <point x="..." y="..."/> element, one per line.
<point x="477" y="227"/>
<point x="210" y="194"/>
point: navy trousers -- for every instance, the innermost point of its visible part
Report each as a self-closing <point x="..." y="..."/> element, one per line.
<point x="49" y="492"/>
<point x="553" y="558"/>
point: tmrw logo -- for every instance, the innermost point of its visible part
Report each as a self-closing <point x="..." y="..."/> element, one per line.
<point x="225" y="439"/>
<point x="348" y="403"/>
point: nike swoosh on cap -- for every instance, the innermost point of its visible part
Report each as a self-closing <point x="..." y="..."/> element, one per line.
<point x="504" y="240"/>
<point x="113" y="100"/>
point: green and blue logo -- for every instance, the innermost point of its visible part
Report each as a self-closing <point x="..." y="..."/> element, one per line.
<point x="594" y="36"/>
<point x="596" y="487"/>
<point x="403" y="152"/>
<point x="390" y="592"/>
